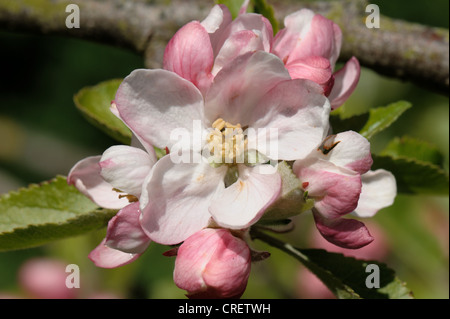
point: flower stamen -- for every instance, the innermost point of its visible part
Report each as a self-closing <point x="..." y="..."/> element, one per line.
<point x="131" y="198"/>
<point x="227" y="142"/>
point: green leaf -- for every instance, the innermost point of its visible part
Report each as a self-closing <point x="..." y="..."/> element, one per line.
<point x="344" y="276"/>
<point x="46" y="212"/>
<point x="408" y="147"/>
<point x="381" y="118"/>
<point x="354" y="123"/>
<point x="94" y="103"/>
<point x="414" y="176"/>
<point x="261" y="6"/>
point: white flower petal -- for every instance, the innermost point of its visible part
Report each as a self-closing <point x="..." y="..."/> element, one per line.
<point x="85" y="176"/>
<point x="347" y="149"/>
<point x="126" y="167"/>
<point x="378" y="191"/>
<point x="239" y="86"/>
<point x="155" y="103"/>
<point x="105" y="257"/>
<point x="218" y="17"/>
<point x="244" y="202"/>
<point x="177" y="198"/>
<point x="237" y="44"/>
<point x="290" y="120"/>
<point x="216" y="24"/>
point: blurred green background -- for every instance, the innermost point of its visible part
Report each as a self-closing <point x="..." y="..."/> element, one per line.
<point x="43" y="134"/>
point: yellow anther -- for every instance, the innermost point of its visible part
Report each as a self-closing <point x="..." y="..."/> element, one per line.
<point x="227" y="141"/>
<point x="219" y="124"/>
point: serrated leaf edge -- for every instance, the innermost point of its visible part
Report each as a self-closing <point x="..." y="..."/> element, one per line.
<point x="31" y="187"/>
<point x="413" y="160"/>
<point x="34" y="186"/>
<point x="364" y="261"/>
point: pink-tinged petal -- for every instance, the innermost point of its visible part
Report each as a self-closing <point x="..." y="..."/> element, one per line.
<point x="154" y="103"/>
<point x="345" y="81"/>
<point x="343" y="232"/>
<point x="244" y="202"/>
<point x="125" y="168"/>
<point x="240" y="85"/>
<point x="125" y="233"/>
<point x="314" y="68"/>
<point x="256" y="23"/>
<point x="105" y="257"/>
<point x="347" y="149"/>
<point x="337" y="45"/>
<point x="218" y="17"/>
<point x="237" y="44"/>
<point x="85" y="176"/>
<point x="297" y="26"/>
<point x="377" y="250"/>
<point x="290" y="120"/>
<point x="212" y="263"/>
<point x="379" y="189"/>
<point x="335" y="190"/>
<point x="176" y="199"/>
<point x="190" y="55"/>
<point x="216" y="24"/>
<point x="318" y="40"/>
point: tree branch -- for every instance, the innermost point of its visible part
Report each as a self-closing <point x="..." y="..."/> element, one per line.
<point x="400" y="49"/>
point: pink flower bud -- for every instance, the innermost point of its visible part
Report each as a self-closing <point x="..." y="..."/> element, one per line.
<point x="45" y="278"/>
<point x="213" y="263"/>
<point x="308" y="35"/>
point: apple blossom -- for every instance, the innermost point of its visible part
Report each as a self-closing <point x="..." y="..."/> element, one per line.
<point x="125" y="240"/>
<point x="337" y="175"/>
<point x="230" y="103"/>
<point x="255" y="92"/>
<point x="114" y="180"/>
<point x="213" y="263"/>
<point x="199" y="50"/>
<point x="309" y="45"/>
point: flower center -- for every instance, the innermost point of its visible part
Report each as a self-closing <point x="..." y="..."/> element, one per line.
<point x="226" y="142"/>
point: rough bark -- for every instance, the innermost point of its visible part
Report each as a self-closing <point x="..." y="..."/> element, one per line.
<point x="400" y="49"/>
